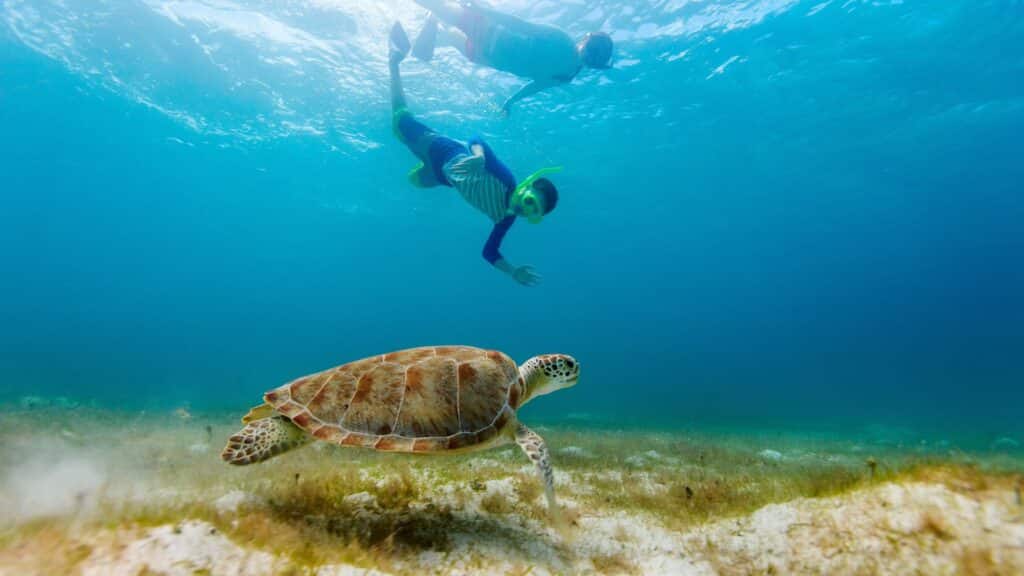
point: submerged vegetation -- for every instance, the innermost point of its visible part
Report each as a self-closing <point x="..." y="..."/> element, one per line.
<point x="326" y="504"/>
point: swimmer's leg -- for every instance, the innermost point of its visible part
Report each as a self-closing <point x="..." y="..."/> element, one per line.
<point x="455" y="38"/>
<point x="399" y="49"/>
<point x="410" y="131"/>
<point x="449" y="11"/>
<point x="427" y="39"/>
<point x="433" y="34"/>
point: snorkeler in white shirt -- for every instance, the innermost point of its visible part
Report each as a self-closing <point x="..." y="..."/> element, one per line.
<point x="544" y="54"/>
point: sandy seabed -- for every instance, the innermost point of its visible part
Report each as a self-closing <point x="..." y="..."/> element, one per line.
<point x="92" y="492"/>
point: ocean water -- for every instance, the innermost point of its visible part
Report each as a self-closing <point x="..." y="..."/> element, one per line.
<point x="788" y="254"/>
<point x="772" y="211"/>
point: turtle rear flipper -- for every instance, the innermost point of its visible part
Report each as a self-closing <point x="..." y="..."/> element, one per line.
<point x="263" y="439"/>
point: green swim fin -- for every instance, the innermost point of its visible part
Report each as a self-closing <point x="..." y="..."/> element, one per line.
<point x="422" y="177"/>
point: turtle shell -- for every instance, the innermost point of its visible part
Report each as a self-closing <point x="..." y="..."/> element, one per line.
<point x="417" y="400"/>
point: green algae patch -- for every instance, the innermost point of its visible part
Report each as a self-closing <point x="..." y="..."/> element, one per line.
<point x="689" y="478"/>
<point x="332" y="505"/>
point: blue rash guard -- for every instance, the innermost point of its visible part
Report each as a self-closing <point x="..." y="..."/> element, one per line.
<point x="484" y="181"/>
<point x="497" y="169"/>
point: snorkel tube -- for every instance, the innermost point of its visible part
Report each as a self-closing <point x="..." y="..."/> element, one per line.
<point x="525" y="188"/>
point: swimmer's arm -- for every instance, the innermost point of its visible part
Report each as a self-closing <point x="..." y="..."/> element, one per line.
<point x="525" y="275"/>
<point x="527" y="91"/>
<point x="492" y="164"/>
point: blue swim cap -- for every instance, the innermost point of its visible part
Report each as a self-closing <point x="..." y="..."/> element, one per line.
<point x="597" y="50"/>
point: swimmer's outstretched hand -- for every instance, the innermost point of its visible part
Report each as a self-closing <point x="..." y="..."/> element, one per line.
<point x="526" y="275"/>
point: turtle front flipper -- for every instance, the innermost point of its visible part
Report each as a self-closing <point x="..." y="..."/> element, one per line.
<point x="537" y="451"/>
<point x="263" y="439"/>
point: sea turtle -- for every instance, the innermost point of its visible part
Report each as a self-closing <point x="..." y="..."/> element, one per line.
<point x="430" y="400"/>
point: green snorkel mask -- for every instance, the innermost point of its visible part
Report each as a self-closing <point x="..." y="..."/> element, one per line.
<point x="525" y="201"/>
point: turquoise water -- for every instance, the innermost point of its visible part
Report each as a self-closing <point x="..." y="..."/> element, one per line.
<point x="772" y="211"/>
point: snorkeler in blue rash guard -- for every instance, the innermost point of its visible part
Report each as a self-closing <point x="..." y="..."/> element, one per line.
<point x="472" y="169"/>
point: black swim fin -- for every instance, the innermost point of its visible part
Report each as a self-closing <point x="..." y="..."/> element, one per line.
<point x="425" y="42"/>
<point x="398" y="43"/>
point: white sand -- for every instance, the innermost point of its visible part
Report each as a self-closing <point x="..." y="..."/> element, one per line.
<point x="55" y="489"/>
<point x="892" y="529"/>
<point x="180" y="550"/>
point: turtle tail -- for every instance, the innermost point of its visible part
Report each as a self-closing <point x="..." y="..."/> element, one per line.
<point x="263" y="439"/>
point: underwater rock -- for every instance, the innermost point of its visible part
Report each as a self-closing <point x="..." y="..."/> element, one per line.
<point x="770" y="455"/>
<point x="184" y="549"/>
<point x="199" y="448"/>
<point x="575" y="451"/>
<point x="636" y="461"/>
<point x="647" y="484"/>
<point x="65" y="403"/>
<point x="504" y="487"/>
<point x="234" y="500"/>
<point x="361" y="500"/>
<point x="32" y="402"/>
<point x="1005" y="443"/>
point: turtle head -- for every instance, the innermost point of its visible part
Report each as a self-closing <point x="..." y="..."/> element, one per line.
<point x="549" y="372"/>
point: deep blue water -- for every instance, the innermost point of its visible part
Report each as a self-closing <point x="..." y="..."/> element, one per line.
<point x="772" y="211"/>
